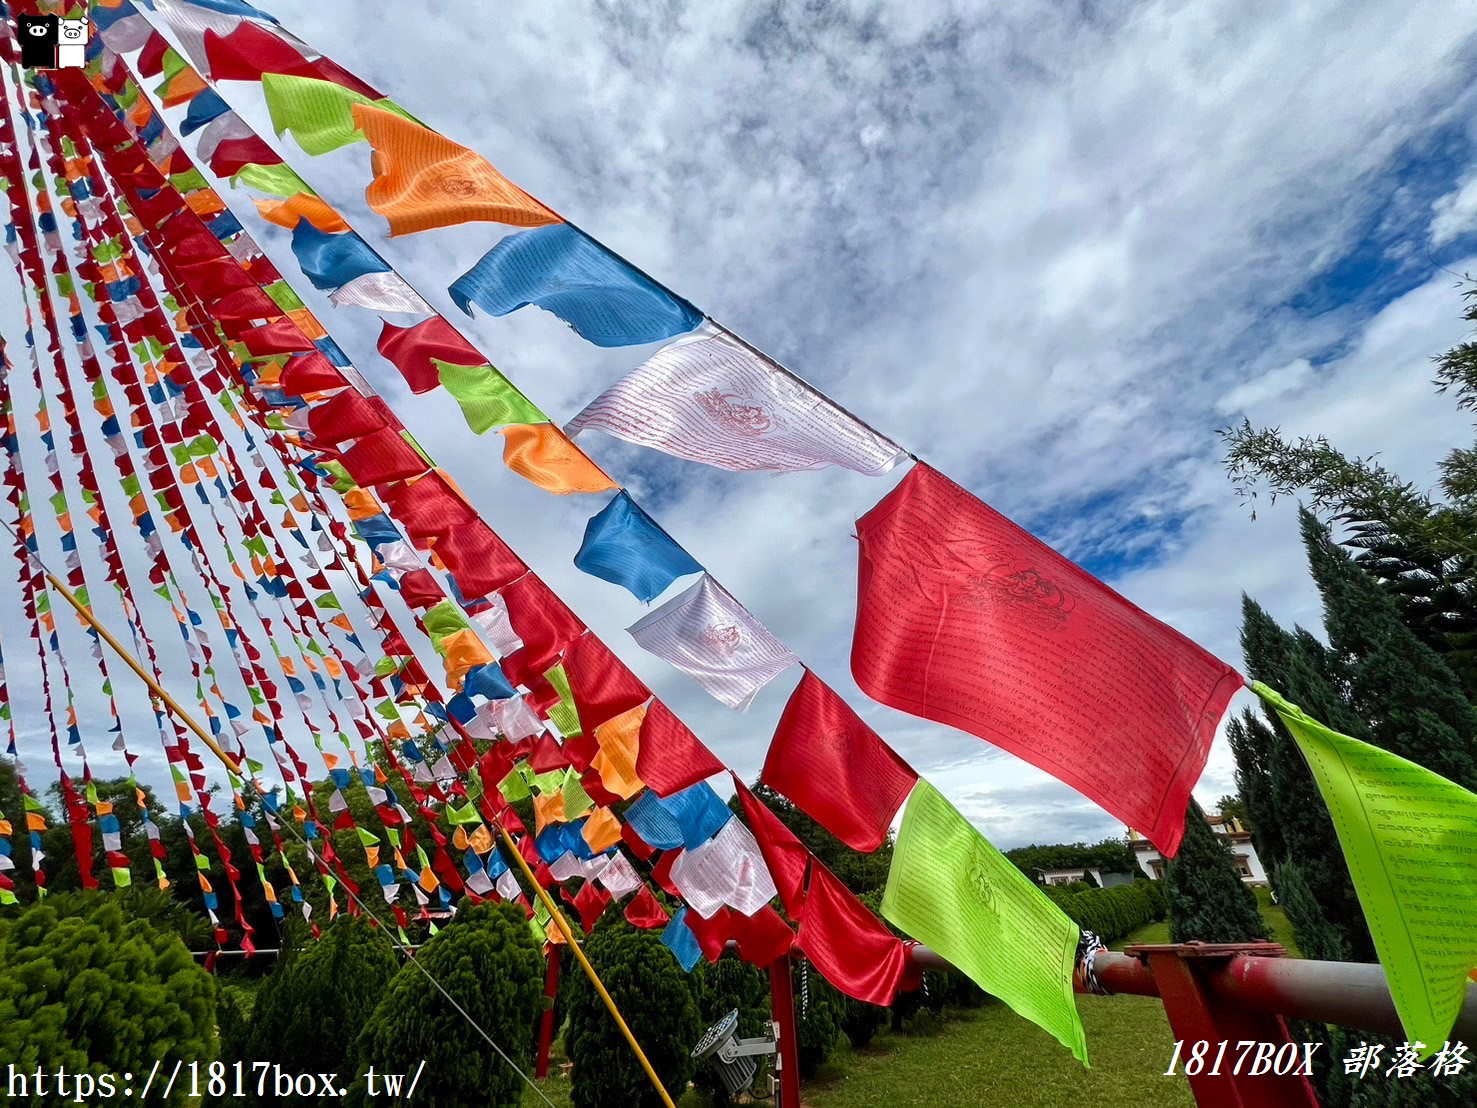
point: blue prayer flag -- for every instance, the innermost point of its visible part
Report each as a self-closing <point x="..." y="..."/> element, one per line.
<point x="679" y="939"/>
<point x="564" y="272"/>
<point x="624" y="546"/>
<point x="332" y="261"/>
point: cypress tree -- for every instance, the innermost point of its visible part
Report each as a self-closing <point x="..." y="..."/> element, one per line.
<point x="1294" y="821"/>
<point x="1411" y="699"/>
<point x="1207" y="899"/>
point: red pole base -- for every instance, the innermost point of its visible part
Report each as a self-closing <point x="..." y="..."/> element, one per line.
<point x="782" y="1011"/>
<point x="546" y="1021"/>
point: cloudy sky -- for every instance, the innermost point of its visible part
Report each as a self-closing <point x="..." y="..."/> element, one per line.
<point x="1049" y="248"/>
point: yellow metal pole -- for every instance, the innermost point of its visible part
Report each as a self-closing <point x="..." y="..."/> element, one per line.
<point x="564" y="928"/>
<point x="157" y="689"/>
<point x="209" y="740"/>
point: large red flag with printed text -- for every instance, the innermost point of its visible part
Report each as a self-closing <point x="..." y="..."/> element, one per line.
<point x="964" y="618"/>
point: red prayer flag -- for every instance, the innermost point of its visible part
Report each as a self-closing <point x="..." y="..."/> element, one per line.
<point x="964" y="618"/>
<point x="541" y="620"/>
<point x="479" y="560"/>
<point x="312" y="372"/>
<point x="429" y="507"/>
<point x="669" y="757"/>
<point x="590" y="902"/>
<point x="762" y="938"/>
<point x="411" y="349"/>
<point x="249" y="51"/>
<point x="250" y="304"/>
<point x="601" y="684"/>
<point x="281" y="336"/>
<point x="230" y="155"/>
<point x="636" y="843"/>
<point x="380" y="457"/>
<point x="784" y="854"/>
<point x="645" y="911"/>
<point x="835" y="767"/>
<point x="849" y="945"/>
<point x="419" y="589"/>
<point x="340" y="418"/>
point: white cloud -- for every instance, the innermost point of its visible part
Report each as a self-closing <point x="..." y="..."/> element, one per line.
<point x="1455" y="213"/>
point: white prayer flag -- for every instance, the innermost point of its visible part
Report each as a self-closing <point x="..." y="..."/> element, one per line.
<point x="727" y="869"/>
<point x="618" y="876"/>
<point x="380" y="292"/>
<point x="710" y="399"/>
<point x="712" y="638"/>
<point x="497" y="627"/>
<point x="223" y="128"/>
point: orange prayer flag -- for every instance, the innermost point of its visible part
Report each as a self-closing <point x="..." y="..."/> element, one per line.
<point x="547" y="809"/>
<point x="480" y="840"/>
<point x="619" y="740"/>
<point x="540" y="452"/>
<point x="286" y="213"/>
<point x="183" y="87"/>
<point x="424" y="180"/>
<point x="361" y="504"/>
<point x="461" y="651"/>
<point x="204" y="202"/>
<point x="459" y="838"/>
<point x="602" y="830"/>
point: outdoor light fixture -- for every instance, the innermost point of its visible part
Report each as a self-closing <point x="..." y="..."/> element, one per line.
<point x="733" y="1056"/>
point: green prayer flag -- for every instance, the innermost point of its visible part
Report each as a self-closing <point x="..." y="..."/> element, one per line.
<point x="283" y="295"/>
<point x="950" y="888"/>
<point x="465" y="814"/>
<point x="386" y="710"/>
<point x="275" y="180"/>
<point x="488" y="399"/>
<point x="1410" y="839"/>
<point x="367" y="838"/>
<point x="563" y="714"/>
<point x="320" y="114"/>
<point x="122" y="879"/>
<point x="513" y="786"/>
<point x="328" y="601"/>
<point x="576" y="801"/>
<point x="190" y="181"/>
<point x="32" y="804"/>
<point x="445" y="619"/>
<point x="549" y="782"/>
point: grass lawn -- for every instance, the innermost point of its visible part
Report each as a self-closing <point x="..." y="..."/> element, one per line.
<point x="1276" y="920"/>
<point x="990" y="1056"/>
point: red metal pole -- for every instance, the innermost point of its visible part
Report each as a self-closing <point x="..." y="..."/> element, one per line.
<point x="1197" y="1016"/>
<point x="782" y="1011"/>
<point x="546" y="1026"/>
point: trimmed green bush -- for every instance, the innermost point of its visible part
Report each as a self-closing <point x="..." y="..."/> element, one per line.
<point x="84" y="987"/>
<point x="1208" y="901"/>
<point x="656" y="999"/>
<point x="309" y="1013"/>
<point x="861" y="1021"/>
<point x="1111" y="913"/>
<point x="486" y="958"/>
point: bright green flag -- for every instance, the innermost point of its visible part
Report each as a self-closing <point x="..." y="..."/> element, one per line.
<point x="513" y="786"/>
<point x="277" y="179"/>
<point x="367" y="838"/>
<point x="949" y="888"/>
<point x="488" y="399"/>
<point x="564" y="715"/>
<point x="320" y="114"/>
<point x="467" y="813"/>
<point x="576" y="801"/>
<point x="444" y="619"/>
<point x="1410" y="839"/>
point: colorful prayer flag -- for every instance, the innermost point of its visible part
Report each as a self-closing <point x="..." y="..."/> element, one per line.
<point x="949" y="888"/>
<point x="967" y="619"/>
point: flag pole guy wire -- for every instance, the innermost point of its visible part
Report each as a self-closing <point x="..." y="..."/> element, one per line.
<point x="184" y="717"/>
